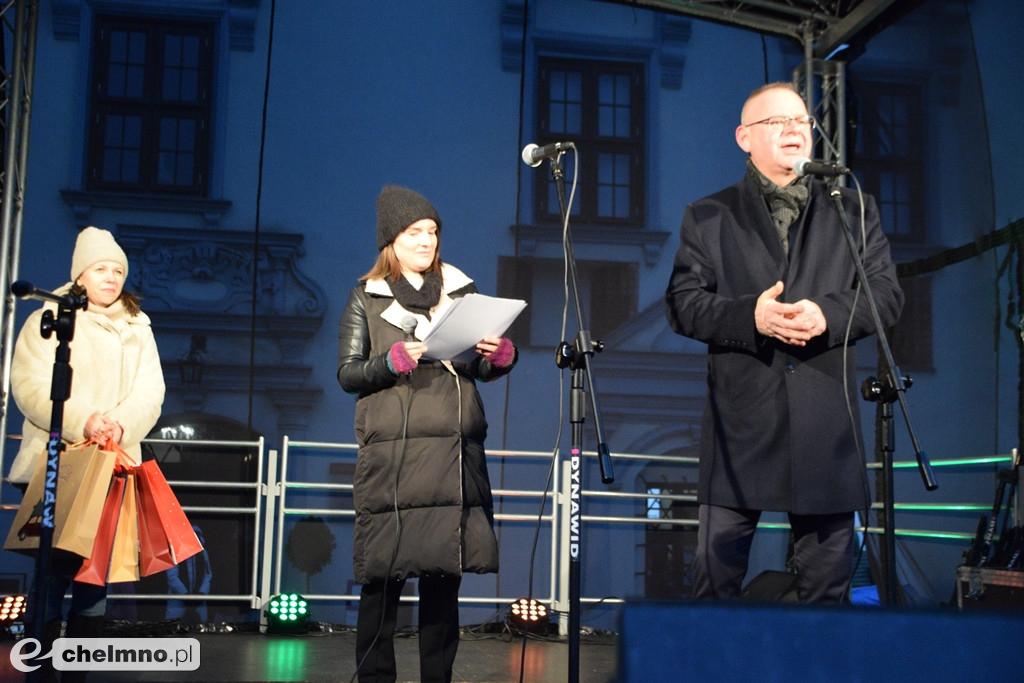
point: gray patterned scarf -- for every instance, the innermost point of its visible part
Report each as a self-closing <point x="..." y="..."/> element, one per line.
<point x="784" y="203"/>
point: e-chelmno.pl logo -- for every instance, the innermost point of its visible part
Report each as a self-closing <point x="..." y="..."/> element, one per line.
<point x="110" y="654"/>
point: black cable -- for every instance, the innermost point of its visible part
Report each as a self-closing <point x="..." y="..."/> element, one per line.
<point x="764" y="57"/>
<point x="536" y="536"/>
<point x="398" y="533"/>
<point x="256" y="227"/>
<point x="515" y="270"/>
<point x="518" y="216"/>
<point x="992" y="203"/>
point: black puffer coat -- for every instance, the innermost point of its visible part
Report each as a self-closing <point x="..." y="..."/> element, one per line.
<point x="421" y="446"/>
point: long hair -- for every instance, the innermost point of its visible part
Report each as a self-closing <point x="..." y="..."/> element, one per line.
<point x="127" y="299"/>
<point x="387" y="266"/>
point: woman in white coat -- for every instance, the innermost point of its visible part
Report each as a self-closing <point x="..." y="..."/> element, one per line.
<point x="116" y="393"/>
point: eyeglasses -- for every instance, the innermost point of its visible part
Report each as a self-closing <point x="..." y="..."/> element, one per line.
<point x="777" y="123"/>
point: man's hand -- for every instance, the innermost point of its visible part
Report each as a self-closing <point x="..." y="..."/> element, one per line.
<point x="794" y="324"/>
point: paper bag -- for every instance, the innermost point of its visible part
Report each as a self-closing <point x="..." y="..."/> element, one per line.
<point x="124" y="556"/>
<point x="95" y="567"/>
<point x="160" y="506"/>
<point x="83" y="477"/>
<point x="154" y="547"/>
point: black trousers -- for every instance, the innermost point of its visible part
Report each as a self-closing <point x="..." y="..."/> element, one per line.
<point x="438" y="629"/>
<point x="822" y="552"/>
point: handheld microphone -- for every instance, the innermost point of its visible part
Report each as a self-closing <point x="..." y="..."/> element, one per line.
<point x="804" y="167"/>
<point x="409" y="327"/>
<point x="534" y="154"/>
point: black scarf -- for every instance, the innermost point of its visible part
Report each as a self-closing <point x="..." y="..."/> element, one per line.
<point x="784" y="203"/>
<point x="417" y="300"/>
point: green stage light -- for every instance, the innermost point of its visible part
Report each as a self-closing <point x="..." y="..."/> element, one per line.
<point x="286" y="613"/>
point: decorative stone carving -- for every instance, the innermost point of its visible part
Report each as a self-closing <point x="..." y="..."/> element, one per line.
<point x="207" y="282"/>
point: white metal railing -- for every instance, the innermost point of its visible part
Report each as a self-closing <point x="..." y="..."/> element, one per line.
<point x="287" y="483"/>
<point x="272" y="505"/>
<point x="258" y="490"/>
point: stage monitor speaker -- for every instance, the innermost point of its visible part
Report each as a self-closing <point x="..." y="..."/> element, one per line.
<point x="692" y="640"/>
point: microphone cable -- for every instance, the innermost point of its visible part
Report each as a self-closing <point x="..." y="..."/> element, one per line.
<point x="561" y="413"/>
<point x="398" y="527"/>
<point x="862" y="545"/>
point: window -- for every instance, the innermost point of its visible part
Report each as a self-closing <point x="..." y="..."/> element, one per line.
<point x="911" y="337"/>
<point x="886" y="155"/>
<point x="598" y="106"/>
<point x="149" y="127"/>
<point x="608" y="290"/>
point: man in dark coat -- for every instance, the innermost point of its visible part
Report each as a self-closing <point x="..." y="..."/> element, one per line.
<point x="764" y="277"/>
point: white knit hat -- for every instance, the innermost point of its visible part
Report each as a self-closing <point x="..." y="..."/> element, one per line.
<point x="95" y="245"/>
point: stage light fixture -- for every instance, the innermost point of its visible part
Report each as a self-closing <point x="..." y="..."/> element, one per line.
<point x="286" y="613"/>
<point x="12" y="614"/>
<point x="529" y="614"/>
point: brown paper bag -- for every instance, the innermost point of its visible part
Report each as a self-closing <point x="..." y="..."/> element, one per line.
<point x="124" y="557"/>
<point x="83" y="476"/>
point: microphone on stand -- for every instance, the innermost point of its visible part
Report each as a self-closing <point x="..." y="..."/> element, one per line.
<point x="26" y="290"/>
<point x="804" y="167"/>
<point x="534" y="154"/>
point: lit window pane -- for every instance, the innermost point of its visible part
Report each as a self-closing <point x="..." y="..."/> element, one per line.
<point x="613" y="186"/>
<point x="564" y="106"/>
<point x="134" y="81"/>
<point x="130" y="166"/>
<point x="180" y="72"/>
<point x="112" y="165"/>
<point x="118" y="46"/>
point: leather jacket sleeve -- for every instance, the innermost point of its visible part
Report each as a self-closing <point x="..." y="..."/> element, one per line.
<point x="358" y="373"/>
<point x="484" y="371"/>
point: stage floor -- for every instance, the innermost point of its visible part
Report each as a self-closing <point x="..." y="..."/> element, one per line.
<point x="252" y="656"/>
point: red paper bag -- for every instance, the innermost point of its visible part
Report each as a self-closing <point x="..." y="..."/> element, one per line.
<point x="95" y="567"/>
<point x="154" y="548"/>
<point x="158" y="502"/>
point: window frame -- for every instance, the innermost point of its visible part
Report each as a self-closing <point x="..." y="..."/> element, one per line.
<point x="896" y="179"/>
<point x="151" y="108"/>
<point x="590" y="145"/>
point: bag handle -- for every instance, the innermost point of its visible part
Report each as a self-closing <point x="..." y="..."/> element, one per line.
<point x="124" y="462"/>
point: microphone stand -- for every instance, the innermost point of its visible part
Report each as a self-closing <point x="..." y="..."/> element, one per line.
<point x="577" y="356"/>
<point x="63" y="324"/>
<point x="891" y="387"/>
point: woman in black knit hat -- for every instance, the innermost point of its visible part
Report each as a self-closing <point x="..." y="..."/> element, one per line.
<point x="421" y="491"/>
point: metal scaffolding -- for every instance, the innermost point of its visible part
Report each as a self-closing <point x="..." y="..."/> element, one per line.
<point x="18" y="25"/>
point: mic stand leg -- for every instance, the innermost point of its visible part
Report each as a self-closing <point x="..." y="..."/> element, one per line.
<point x="577" y="414"/>
<point x="885" y="436"/>
<point x="60" y="390"/>
<point x="577" y="357"/>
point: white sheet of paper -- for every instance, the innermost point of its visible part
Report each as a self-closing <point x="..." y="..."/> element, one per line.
<point x="468" y="320"/>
